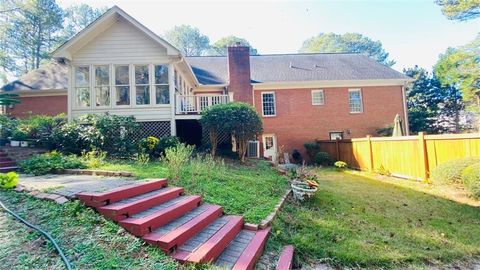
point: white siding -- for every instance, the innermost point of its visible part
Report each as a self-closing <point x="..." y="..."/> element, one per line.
<point x="121" y="43"/>
<point x="143" y="114"/>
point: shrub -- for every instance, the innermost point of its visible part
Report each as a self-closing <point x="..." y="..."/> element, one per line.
<point x="471" y="179"/>
<point x="94" y="159"/>
<point x="322" y="158"/>
<point x="451" y="171"/>
<point x="74" y="138"/>
<point x="206" y="167"/>
<point x="340" y="165"/>
<point x="148" y="146"/>
<point x="49" y="163"/>
<point x="8" y="180"/>
<point x="19" y="135"/>
<point x="176" y="158"/>
<point x="7" y="126"/>
<point x="142" y="158"/>
<point x="296" y="156"/>
<point x="312" y="149"/>
<point x="166" y="142"/>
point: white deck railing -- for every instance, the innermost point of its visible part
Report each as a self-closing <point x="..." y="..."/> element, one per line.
<point x="195" y="104"/>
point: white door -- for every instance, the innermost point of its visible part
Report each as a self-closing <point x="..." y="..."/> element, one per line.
<point x="270" y="146"/>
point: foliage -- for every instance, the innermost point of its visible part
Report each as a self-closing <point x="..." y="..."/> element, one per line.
<point x="206" y="166"/>
<point x="386" y="131"/>
<point x="142" y="158"/>
<point x="94" y="159"/>
<point x="167" y="142"/>
<point x="50" y="162"/>
<point x="8" y="180"/>
<point x="322" y="158"/>
<point x="37" y="126"/>
<point x="188" y="40"/>
<point x="176" y="158"/>
<point x="312" y="149"/>
<point x="19" y="135"/>
<point x="347" y="43"/>
<point x="471" y="179"/>
<point x="221" y="45"/>
<point x="340" y="165"/>
<point x="383" y="171"/>
<point x="149" y="145"/>
<point x="296" y="156"/>
<point x="9" y="99"/>
<point x="461" y="10"/>
<point x="450" y="172"/>
<point x="7" y="126"/>
<point x="77" y="17"/>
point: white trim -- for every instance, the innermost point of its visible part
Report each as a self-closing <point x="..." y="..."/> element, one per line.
<point x="38" y="93"/>
<point x="315" y="91"/>
<point x="274" y="146"/>
<point x="327" y="84"/>
<point x="114" y="86"/>
<point x="274" y="104"/>
<point x="361" y="100"/>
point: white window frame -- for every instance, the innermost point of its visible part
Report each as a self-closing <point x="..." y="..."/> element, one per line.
<point x="94" y="91"/>
<point x="89" y="86"/>
<point x="114" y="85"/>
<point x="316" y="91"/>
<point x="361" y="100"/>
<point x="335" y="132"/>
<point x="274" y="104"/>
<point x="155" y="84"/>
<point x="149" y="84"/>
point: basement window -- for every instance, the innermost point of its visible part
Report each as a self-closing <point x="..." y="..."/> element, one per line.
<point x="268" y="104"/>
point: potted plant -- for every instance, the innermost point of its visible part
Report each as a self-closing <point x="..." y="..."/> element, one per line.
<point x="303" y="184"/>
<point x="18" y="137"/>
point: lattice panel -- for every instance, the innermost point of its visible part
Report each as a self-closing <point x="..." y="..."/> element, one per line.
<point x="157" y="129"/>
<point x="223" y="137"/>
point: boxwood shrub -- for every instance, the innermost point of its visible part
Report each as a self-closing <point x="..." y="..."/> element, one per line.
<point x="471" y="179"/>
<point x="50" y="162"/>
<point x="451" y="171"/>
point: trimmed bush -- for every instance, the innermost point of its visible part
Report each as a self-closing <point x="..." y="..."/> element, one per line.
<point x="8" y="180"/>
<point x="322" y="158"/>
<point x="471" y="179"/>
<point x="50" y="163"/>
<point x="451" y="171"/>
<point x="312" y="149"/>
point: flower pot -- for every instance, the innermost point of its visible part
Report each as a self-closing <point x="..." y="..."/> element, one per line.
<point x="14" y="143"/>
<point x="302" y="191"/>
<point x="24" y="144"/>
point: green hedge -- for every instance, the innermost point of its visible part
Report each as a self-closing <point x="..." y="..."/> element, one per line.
<point x="471" y="179"/>
<point x="451" y="171"/>
<point x="50" y="162"/>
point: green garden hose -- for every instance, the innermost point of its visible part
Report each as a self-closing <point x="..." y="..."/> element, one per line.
<point x="64" y="259"/>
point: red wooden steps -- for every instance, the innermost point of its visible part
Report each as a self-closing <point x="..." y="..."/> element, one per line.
<point x="144" y="224"/>
<point x="118" y="211"/>
<point x="253" y="251"/>
<point x="184" y="232"/>
<point x="95" y="199"/>
<point x="286" y="259"/>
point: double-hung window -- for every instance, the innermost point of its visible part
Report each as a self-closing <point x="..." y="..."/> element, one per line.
<point x="102" y="86"/>
<point x="318" y="97"/>
<point x="122" y="85"/>
<point x="268" y="104"/>
<point x="82" y="87"/>
<point x="162" y="90"/>
<point x="355" y="100"/>
<point x="142" y="85"/>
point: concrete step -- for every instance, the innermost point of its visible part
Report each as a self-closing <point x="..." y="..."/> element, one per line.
<point x="208" y="244"/>
<point x="285" y="262"/>
<point x="146" y="221"/>
<point x="8" y="169"/>
<point x="99" y="199"/>
<point x="177" y="232"/>
<point x="127" y="207"/>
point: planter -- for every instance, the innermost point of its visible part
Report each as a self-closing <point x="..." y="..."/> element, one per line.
<point x="24" y="144"/>
<point x="302" y="191"/>
<point x="14" y="143"/>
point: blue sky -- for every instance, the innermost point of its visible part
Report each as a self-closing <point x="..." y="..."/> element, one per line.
<point x="412" y="31"/>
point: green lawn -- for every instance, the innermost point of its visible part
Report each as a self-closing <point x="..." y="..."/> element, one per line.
<point x="88" y="240"/>
<point x="362" y="221"/>
<point x="252" y="189"/>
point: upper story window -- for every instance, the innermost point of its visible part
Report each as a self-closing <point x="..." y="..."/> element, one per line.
<point x="162" y="93"/>
<point x="122" y="85"/>
<point x="82" y="87"/>
<point x="102" y="86"/>
<point x="268" y="104"/>
<point x="142" y="85"/>
<point x="318" y="97"/>
<point x="355" y="100"/>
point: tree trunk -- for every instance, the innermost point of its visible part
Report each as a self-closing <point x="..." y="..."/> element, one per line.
<point x="242" y="149"/>
<point x="213" y="141"/>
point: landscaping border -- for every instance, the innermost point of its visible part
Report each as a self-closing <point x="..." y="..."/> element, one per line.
<point x="96" y="172"/>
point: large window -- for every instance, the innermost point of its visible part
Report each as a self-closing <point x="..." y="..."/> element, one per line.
<point x="102" y="86"/>
<point x="162" y="93"/>
<point x="317" y="97"/>
<point x="82" y="87"/>
<point x="142" y="85"/>
<point x="355" y="100"/>
<point x="122" y="85"/>
<point x="268" y="104"/>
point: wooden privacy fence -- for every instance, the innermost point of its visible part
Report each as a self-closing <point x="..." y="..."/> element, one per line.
<point x="407" y="156"/>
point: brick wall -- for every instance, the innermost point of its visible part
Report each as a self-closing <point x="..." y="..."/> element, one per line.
<point x="298" y="121"/>
<point x="45" y="105"/>
<point x="239" y="74"/>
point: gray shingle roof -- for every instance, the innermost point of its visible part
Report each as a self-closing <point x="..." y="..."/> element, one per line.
<point x="51" y="76"/>
<point x="296" y="68"/>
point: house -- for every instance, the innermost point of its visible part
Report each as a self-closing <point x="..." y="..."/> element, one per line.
<point x="119" y="66"/>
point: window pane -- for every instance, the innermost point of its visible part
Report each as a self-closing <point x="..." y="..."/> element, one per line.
<point x="161" y="74"/>
<point x="121" y="75"/>
<point x="103" y="96"/>
<point x="82" y="76"/>
<point x="123" y="95"/>
<point x="82" y="97"/>
<point x="162" y="94"/>
<point x="141" y="74"/>
<point x="268" y="104"/>
<point x="101" y="75"/>
<point x="143" y="95"/>
<point x="317" y="98"/>
<point x="355" y="101"/>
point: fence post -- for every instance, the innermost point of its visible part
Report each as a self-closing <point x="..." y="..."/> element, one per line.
<point x="370" y="153"/>
<point x="337" y="147"/>
<point x="423" y="155"/>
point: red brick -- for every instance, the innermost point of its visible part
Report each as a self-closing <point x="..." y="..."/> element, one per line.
<point x="239" y="74"/>
<point x="45" y="105"/>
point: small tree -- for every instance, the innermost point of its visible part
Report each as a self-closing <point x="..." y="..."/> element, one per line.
<point x="239" y="119"/>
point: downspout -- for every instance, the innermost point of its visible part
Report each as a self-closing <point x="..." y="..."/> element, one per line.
<point x="173" y="101"/>
<point x="405" y="110"/>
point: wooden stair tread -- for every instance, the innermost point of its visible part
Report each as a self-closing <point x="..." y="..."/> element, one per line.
<point x="234" y="250"/>
<point x="253" y="251"/>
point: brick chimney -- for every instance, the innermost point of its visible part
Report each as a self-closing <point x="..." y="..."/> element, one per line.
<point x="239" y="73"/>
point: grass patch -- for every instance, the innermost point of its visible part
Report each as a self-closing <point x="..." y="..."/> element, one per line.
<point x="88" y="240"/>
<point x="360" y="221"/>
<point x="252" y="189"/>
